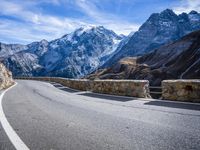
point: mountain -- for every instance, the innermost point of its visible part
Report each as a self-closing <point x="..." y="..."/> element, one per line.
<point x="160" y="28"/>
<point x="177" y="60"/>
<point x="87" y="49"/>
<point x="72" y="55"/>
<point x="23" y="60"/>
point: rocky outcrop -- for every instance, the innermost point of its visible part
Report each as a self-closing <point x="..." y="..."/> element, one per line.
<point x="5" y="77"/>
<point x="181" y="90"/>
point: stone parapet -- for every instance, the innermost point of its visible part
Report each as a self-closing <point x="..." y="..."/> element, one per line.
<point x="134" y="88"/>
<point x="181" y="90"/>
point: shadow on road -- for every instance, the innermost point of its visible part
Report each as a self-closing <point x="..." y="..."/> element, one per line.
<point x="108" y="97"/>
<point x="61" y="87"/>
<point x="174" y="105"/>
<point x="95" y="95"/>
<point x="69" y="90"/>
<point x="57" y="85"/>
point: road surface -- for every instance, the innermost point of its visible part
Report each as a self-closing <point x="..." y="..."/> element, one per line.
<point x="47" y="116"/>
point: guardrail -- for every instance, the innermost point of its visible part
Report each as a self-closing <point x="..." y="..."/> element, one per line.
<point x="133" y="88"/>
<point x="181" y="90"/>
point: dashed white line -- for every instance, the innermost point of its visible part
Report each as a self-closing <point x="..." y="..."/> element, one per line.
<point x="12" y="135"/>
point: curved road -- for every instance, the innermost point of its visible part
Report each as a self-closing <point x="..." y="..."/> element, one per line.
<point x="47" y="116"/>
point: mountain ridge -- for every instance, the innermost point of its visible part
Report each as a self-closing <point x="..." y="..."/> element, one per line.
<point x="56" y="56"/>
<point x="177" y="60"/>
<point x="159" y="29"/>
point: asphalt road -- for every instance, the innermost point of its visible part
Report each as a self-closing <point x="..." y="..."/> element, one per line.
<point x="50" y="117"/>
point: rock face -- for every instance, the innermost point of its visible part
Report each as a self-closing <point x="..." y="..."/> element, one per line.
<point x="159" y="29"/>
<point x="181" y="90"/>
<point x="178" y="60"/>
<point x="5" y="77"/>
<point x="72" y="55"/>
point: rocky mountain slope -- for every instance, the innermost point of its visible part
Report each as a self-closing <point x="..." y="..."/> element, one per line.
<point x="5" y="77"/>
<point x="72" y="55"/>
<point x="178" y="60"/>
<point x="159" y="29"/>
<point x="86" y="49"/>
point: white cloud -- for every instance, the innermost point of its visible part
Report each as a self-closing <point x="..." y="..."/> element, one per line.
<point x="122" y="27"/>
<point x="18" y="32"/>
<point x="32" y="25"/>
<point x="29" y="32"/>
<point x="110" y="21"/>
<point x="187" y="6"/>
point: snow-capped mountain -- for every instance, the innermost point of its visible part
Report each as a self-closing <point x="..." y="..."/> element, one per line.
<point x="87" y="49"/>
<point x="160" y="28"/>
<point x="72" y="55"/>
<point x="177" y="60"/>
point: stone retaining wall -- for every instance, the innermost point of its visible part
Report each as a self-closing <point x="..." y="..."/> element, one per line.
<point x="134" y="88"/>
<point x="181" y="90"/>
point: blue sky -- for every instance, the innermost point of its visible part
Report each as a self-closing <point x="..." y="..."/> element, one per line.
<point x="24" y="21"/>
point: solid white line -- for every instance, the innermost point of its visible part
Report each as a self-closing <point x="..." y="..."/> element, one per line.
<point x="82" y="92"/>
<point x="12" y="135"/>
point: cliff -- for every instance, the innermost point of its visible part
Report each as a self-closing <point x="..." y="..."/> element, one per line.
<point x="5" y="77"/>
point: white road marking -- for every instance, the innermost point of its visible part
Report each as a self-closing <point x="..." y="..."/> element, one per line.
<point x="12" y="135"/>
<point x="82" y="92"/>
